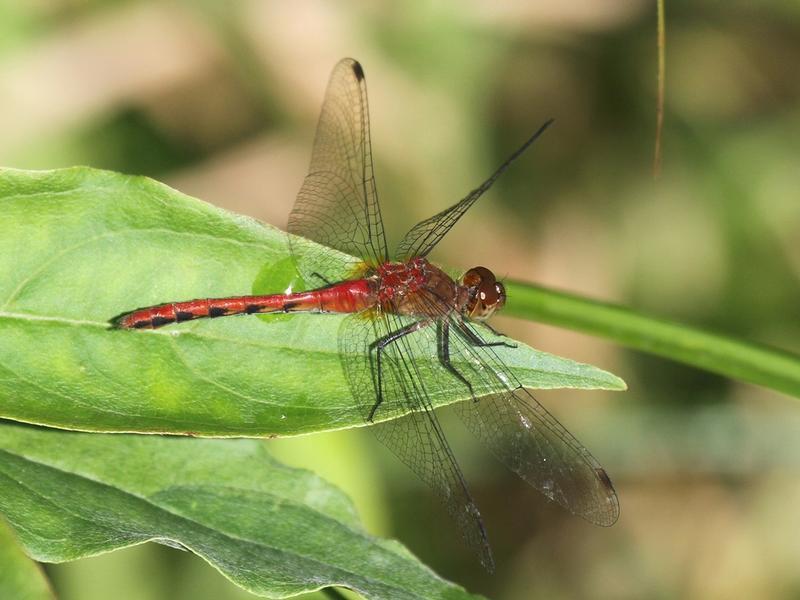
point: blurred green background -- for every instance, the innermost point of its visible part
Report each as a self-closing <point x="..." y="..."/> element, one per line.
<point x="219" y="99"/>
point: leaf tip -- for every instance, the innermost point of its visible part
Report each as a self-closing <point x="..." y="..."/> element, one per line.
<point x="617" y="384"/>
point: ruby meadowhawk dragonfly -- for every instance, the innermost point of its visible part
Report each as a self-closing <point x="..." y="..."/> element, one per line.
<point x="403" y="307"/>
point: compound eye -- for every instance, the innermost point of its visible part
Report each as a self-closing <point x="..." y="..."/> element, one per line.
<point x="500" y="289"/>
<point x="488" y="294"/>
<point x="476" y="277"/>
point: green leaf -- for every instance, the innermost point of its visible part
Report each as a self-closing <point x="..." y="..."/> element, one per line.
<point x="273" y="530"/>
<point x="20" y="577"/>
<point x="80" y="246"/>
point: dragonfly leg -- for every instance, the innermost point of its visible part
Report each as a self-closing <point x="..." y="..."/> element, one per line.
<point x="379" y="346"/>
<point x="476" y="340"/>
<point x="443" y="339"/>
<point x="493" y="330"/>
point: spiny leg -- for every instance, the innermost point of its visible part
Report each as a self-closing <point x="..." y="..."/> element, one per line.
<point x="379" y="346"/>
<point x="443" y="347"/>
<point x="493" y="330"/>
<point x="474" y="339"/>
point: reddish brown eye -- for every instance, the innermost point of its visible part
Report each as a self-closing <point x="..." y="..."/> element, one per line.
<point x="501" y="295"/>
<point x="476" y="276"/>
<point x="486" y="294"/>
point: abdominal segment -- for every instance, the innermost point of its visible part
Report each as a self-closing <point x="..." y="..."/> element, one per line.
<point x="346" y="297"/>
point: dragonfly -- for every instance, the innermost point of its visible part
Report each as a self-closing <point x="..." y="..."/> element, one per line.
<point x="402" y="308"/>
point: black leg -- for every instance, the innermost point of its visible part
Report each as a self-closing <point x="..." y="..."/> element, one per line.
<point x="494" y="331"/>
<point x="474" y="339"/>
<point x="379" y="345"/>
<point x="443" y="339"/>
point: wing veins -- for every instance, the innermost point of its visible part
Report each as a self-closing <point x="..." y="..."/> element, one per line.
<point x="424" y="236"/>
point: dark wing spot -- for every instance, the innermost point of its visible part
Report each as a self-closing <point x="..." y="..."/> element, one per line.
<point x="358" y="71"/>
<point x="159" y="321"/>
<point x="184" y="315"/>
<point x="216" y="311"/>
<point x="287" y="306"/>
<point x="604" y="479"/>
<point x="252" y="308"/>
<point x="141" y="324"/>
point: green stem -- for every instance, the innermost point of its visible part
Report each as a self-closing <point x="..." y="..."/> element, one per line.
<point x="746" y="361"/>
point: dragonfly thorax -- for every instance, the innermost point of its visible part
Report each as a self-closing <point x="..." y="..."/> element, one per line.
<point x="417" y="287"/>
<point x="399" y="279"/>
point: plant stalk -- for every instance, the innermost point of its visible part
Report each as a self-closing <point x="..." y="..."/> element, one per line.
<point x="746" y="361"/>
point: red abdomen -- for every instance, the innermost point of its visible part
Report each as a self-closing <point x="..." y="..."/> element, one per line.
<point x="346" y="297"/>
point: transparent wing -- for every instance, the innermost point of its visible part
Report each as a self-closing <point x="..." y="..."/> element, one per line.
<point x="337" y="205"/>
<point x="422" y="238"/>
<point x="414" y="435"/>
<point x="512" y="423"/>
<point x="535" y="446"/>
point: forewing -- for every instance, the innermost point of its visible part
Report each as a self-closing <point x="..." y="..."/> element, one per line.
<point x="511" y="422"/>
<point x="337" y="205"/>
<point x="413" y="432"/>
<point x="422" y="238"/>
<point x="527" y="438"/>
<point x="530" y="442"/>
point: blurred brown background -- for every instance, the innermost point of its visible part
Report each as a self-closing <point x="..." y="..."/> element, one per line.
<point x="219" y="99"/>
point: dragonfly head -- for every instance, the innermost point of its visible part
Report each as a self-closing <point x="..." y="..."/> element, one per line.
<point x="485" y="293"/>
